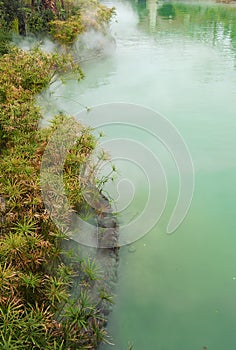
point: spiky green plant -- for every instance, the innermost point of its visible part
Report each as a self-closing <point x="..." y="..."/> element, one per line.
<point x="35" y="307"/>
<point x="91" y="269"/>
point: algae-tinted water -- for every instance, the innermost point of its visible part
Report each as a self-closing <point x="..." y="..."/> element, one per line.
<point x="175" y="292"/>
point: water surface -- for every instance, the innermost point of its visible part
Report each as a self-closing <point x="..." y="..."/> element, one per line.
<point x="175" y="292"/>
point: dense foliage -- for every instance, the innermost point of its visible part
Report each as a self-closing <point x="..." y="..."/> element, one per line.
<point x="34" y="281"/>
<point x="36" y="274"/>
<point x="89" y="15"/>
<point x="64" y="20"/>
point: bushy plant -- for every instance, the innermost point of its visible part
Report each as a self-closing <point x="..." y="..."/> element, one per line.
<point x="23" y="17"/>
<point x="89" y="15"/>
<point x="65" y="32"/>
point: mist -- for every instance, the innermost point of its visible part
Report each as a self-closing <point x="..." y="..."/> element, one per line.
<point x="89" y="45"/>
<point x="32" y="41"/>
<point x="92" y="44"/>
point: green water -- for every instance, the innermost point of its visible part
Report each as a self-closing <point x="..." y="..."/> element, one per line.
<point x="175" y="292"/>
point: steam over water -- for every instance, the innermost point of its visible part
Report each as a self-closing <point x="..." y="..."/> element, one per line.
<point x="175" y="292"/>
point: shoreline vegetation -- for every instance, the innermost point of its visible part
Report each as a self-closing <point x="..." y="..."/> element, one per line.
<point x="37" y="272"/>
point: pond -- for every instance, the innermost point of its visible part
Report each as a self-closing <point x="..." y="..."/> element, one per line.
<point x="175" y="291"/>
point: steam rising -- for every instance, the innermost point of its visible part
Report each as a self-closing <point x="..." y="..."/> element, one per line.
<point x="89" y="45"/>
<point x="31" y="41"/>
<point x="92" y="44"/>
